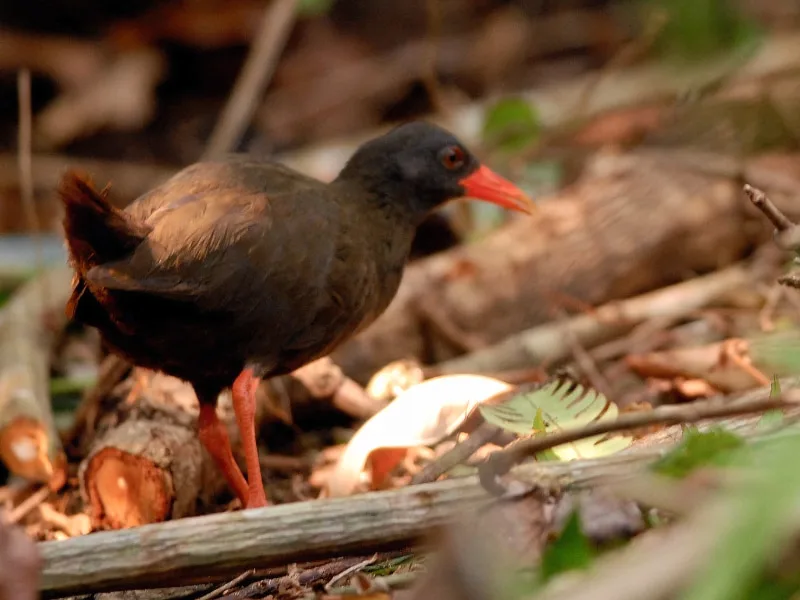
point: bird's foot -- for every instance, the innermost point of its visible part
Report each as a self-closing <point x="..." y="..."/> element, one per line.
<point x="256" y="498"/>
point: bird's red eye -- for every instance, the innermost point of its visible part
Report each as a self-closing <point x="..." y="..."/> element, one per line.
<point x="452" y="157"/>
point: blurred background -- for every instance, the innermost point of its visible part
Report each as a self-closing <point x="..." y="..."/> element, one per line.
<point x="647" y="272"/>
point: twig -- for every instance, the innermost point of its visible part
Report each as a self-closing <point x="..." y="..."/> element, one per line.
<point x="24" y="153"/>
<point x="254" y="77"/>
<point x="27" y="505"/>
<point x="765" y="205"/>
<point x="787" y="234"/>
<point x="350" y="570"/>
<point x="500" y="462"/>
<point x="217" y="592"/>
<point x="304" y="574"/>
<point x="585" y="361"/>
<point x="457" y="455"/>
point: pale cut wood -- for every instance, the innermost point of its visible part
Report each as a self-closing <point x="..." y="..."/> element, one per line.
<point x="143" y="472"/>
<point x="29" y="443"/>
<point x="146" y="463"/>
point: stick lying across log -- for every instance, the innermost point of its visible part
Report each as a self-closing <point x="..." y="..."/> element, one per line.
<point x="29" y="443"/>
<point x="217" y="546"/>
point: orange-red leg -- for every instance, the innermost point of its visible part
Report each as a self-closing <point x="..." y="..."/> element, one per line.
<point x="244" y="405"/>
<point x="213" y="436"/>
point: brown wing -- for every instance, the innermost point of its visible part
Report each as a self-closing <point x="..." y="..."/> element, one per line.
<point x="209" y="225"/>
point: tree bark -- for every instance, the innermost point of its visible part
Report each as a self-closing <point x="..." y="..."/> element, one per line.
<point x="146" y="463"/>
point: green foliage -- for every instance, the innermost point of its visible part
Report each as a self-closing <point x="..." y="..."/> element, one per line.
<point x="777" y="353"/>
<point x="698" y="449"/>
<point x="757" y="528"/>
<point x="313" y="8"/>
<point x="540" y="430"/>
<point x="389" y="566"/>
<point x="772" y="418"/>
<point x="570" y="551"/>
<point x="703" y="28"/>
<point x="558" y="407"/>
<point x="511" y="125"/>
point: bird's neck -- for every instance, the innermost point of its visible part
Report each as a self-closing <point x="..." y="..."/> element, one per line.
<point x="392" y="220"/>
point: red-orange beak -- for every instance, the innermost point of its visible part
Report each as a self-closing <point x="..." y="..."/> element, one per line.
<point x="485" y="184"/>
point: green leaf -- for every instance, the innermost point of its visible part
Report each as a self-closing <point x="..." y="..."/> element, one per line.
<point x="775" y="387"/>
<point x="704" y="28"/>
<point x="758" y="526"/>
<point x="697" y="449"/>
<point x="562" y="407"/>
<point x="313" y="8"/>
<point x="511" y="124"/>
<point x="540" y="430"/>
<point x="772" y="418"/>
<point x="776" y="353"/>
<point x="570" y="551"/>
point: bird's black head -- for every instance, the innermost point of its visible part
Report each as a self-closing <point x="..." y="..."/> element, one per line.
<point x="422" y="166"/>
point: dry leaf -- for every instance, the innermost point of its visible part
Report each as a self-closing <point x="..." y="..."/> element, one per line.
<point x="420" y="416"/>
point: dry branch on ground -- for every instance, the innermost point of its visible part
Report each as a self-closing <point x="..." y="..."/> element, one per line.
<point x="225" y="544"/>
<point x="29" y="443"/>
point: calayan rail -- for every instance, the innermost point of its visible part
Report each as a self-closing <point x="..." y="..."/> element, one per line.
<point x="239" y="269"/>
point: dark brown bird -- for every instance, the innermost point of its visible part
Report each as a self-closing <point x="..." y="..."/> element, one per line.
<point x="238" y="269"/>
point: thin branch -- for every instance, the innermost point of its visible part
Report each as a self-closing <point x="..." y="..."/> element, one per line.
<point x="765" y="205"/>
<point x="350" y="570"/>
<point x="500" y="462"/>
<point x="217" y="592"/>
<point x="27" y="505"/>
<point x="254" y="77"/>
<point x="24" y="151"/>
<point x="459" y="454"/>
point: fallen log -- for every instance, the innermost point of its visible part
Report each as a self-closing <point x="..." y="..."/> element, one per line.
<point x="217" y="546"/>
<point x="630" y="224"/>
<point x="29" y="443"/>
<point x="552" y="342"/>
<point x="146" y="463"/>
<point x="214" y="547"/>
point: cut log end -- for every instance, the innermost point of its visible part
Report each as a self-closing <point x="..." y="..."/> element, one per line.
<point x="144" y="471"/>
<point x="27" y="449"/>
<point x="126" y="490"/>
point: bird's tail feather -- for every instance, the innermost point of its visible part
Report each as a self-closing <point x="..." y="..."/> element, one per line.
<point x="96" y="232"/>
